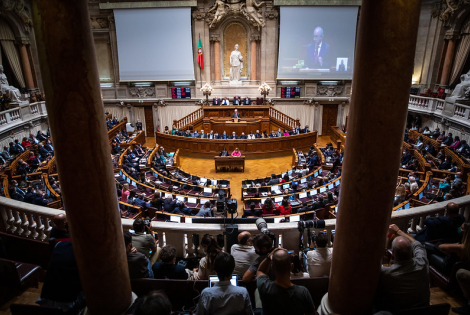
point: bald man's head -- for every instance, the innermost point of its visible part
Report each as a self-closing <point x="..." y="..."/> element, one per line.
<point x="402" y="250"/>
<point x="282" y="263"/>
<point x="244" y="237"/>
<point x="317" y="35"/>
<point x="60" y="221"/>
<point x="452" y="209"/>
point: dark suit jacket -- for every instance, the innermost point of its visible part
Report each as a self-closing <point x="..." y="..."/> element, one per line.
<point x="223" y="136"/>
<point x="43" y="151"/>
<point x="224" y="153"/>
<point x="243" y="137"/>
<point x="258" y="135"/>
<point x="233" y="137"/>
<point x="216" y="101"/>
<point x="236" y="115"/>
<point x="169" y="206"/>
<point x="341" y="67"/>
<point x="310" y="57"/>
<point x="247" y="101"/>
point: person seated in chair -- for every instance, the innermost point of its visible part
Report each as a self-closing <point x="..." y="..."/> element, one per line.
<point x="258" y="135"/>
<point x="225" y="101"/>
<point x="234" y="136"/>
<point x="224" y="136"/>
<point x="223" y="152"/>
<point x="216" y="101"/>
<point x="195" y="134"/>
<point x="206" y="210"/>
<point x="236" y="100"/>
<point x="168" y="269"/>
<point x="247" y="101"/>
<point x="272" y="134"/>
<point x="243" y="136"/>
<point x="442" y="227"/>
<point x="251" y="135"/>
<point x="236" y="153"/>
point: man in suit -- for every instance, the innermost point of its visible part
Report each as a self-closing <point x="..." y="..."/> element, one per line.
<point x="49" y="146"/>
<point x="169" y="204"/>
<point x="448" y="140"/>
<point x="247" y="101"/>
<point x="138" y="125"/>
<point x="216" y="101"/>
<point x="274" y="180"/>
<point x="216" y="135"/>
<point x="258" y="135"/>
<point x="43" y="151"/>
<point x="40" y="136"/>
<point x="304" y="208"/>
<point x="234" y="136"/>
<point x="406" y="158"/>
<point x="19" y="146"/>
<point x="272" y="134"/>
<point x="236" y="100"/>
<point x="224" y="136"/>
<point x="317" y="54"/>
<point x="341" y="66"/>
<point x="236" y="114"/>
<point x="306" y="129"/>
<point x="13" y="149"/>
<point x="195" y="134"/>
<point x="203" y="135"/>
<point x="243" y="136"/>
<point x="6" y="154"/>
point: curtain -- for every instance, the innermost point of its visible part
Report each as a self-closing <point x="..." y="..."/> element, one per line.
<point x="166" y="114"/>
<point x="305" y="113"/>
<point x="461" y="55"/>
<point x="345" y="113"/>
<point x="12" y="56"/>
<point x="115" y="111"/>
<point x="140" y="114"/>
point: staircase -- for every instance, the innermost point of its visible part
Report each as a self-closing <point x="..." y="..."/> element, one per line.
<point x="191" y="119"/>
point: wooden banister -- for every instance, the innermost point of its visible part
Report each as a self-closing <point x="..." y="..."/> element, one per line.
<point x="190" y="119"/>
<point x="287" y="121"/>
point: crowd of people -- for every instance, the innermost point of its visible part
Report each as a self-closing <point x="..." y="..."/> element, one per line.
<point x="251" y="135"/>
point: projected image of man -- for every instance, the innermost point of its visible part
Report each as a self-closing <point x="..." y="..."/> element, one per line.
<point x="317" y="52"/>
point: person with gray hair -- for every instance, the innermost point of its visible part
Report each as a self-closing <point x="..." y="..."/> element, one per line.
<point x="405" y="284"/>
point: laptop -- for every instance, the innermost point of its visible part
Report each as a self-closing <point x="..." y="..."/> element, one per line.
<point x="207" y="191"/>
<point x="278" y="199"/>
<point x="192" y="202"/>
<point x="285" y="186"/>
<point x="214" y="279"/>
<point x="275" y="189"/>
<point x="180" y="198"/>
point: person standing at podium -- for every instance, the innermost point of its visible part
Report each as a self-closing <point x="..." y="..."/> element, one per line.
<point x="236" y="153"/>
<point x="223" y="152"/>
<point x="236" y="114"/>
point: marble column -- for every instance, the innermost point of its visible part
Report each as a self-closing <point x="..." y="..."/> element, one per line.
<point x="217" y="70"/>
<point x="28" y="75"/>
<point x="449" y="58"/>
<point x="253" y="60"/>
<point x="361" y="225"/>
<point x="76" y="117"/>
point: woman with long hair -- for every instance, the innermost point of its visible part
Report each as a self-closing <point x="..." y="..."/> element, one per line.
<point x="125" y="192"/>
<point x="268" y="206"/>
<point x="206" y="264"/>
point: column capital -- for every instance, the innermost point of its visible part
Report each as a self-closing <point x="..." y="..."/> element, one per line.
<point x="452" y="35"/>
<point x="255" y="38"/>
<point x="215" y="38"/>
<point x="22" y="41"/>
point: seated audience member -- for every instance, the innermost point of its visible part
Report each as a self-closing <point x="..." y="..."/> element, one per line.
<point x="243" y="136"/>
<point x="273" y="181"/>
<point x="13" y="150"/>
<point x="406" y="158"/>
<point x="137" y="262"/>
<point x="62" y="287"/>
<point x="243" y="253"/>
<point x="206" y="264"/>
<point x="405" y="284"/>
<point x="234" y="136"/>
<point x="144" y="243"/>
<point x="282" y="296"/>
<point x="457" y="182"/>
<point x="448" y="140"/>
<point x="19" y="146"/>
<point x="268" y="206"/>
<point x="456" y="144"/>
<point x="223" y="152"/>
<point x="419" y="143"/>
<point x="156" y="201"/>
<point x="169" y="204"/>
<point x="40" y="136"/>
<point x="140" y="202"/>
<point x="6" y="154"/>
<point x="206" y="210"/>
<point x="224" y="135"/>
<point x="25" y="143"/>
<point x="304" y="208"/>
<point x="285" y="133"/>
<point x="251" y="135"/>
<point x="284" y="208"/>
<point x="444" y="186"/>
<point x="263" y="246"/>
<point x="252" y="212"/>
<point x="195" y="134"/>
<point x="400" y="195"/>
<point x="236" y="153"/>
<point x="318" y="258"/>
<point x="279" y="132"/>
<point x="60" y="229"/>
<point x="447" y="164"/>
<point x="168" y="269"/>
<point x="181" y="208"/>
<point x="30" y="195"/>
<point x="258" y="135"/>
<point x="151" y="304"/>
<point x="442" y="227"/>
<point x="413" y="185"/>
<point x="223" y="297"/>
<point x="306" y="129"/>
<point x="272" y="134"/>
<point x="188" y="133"/>
<point x="32" y="139"/>
<point x="297" y="271"/>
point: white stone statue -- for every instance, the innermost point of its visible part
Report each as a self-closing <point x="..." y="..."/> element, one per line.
<point x="459" y="91"/>
<point x="12" y="92"/>
<point x="236" y="65"/>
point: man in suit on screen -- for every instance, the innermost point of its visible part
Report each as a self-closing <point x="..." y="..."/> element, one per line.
<point x="317" y="56"/>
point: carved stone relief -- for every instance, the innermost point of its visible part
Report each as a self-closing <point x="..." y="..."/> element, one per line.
<point x="18" y="7"/>
<point x="99" y="23"/>
<point x="447" y="9"/>
<point x="251" y="10"/>
<point x="142" y="92"/>
<point x="330" y="90"/>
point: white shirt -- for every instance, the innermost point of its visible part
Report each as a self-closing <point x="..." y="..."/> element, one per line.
<point x="244" y="256"/>
<point x="250" y="136"/>
<point x="319" y="262"/>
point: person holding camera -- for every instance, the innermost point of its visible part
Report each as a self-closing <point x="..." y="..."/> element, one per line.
<point x="318" y="258"/>
<point x="145" y="243"/>
<point x="281" y="296"/>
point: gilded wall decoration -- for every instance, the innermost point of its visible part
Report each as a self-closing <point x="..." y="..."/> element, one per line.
<point x="142" y="92"/>
<point x="330" y="90"/>
<point x="235" y="33"/>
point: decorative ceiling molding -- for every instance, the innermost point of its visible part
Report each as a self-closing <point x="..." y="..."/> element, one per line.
<point x="317" y="2"/>
<point x="147" y="4"/>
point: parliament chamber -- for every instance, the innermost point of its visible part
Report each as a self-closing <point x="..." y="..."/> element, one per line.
<point x="156" y="152"/>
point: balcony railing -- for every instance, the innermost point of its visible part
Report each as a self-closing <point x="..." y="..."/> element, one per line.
<point x="22" y="114"/>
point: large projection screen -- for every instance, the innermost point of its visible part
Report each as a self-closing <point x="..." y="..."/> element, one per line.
<point x="154" y="44"/>
<point x="317" y="42"/>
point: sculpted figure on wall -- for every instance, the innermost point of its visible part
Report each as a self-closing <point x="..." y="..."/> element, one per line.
<point x="459" y="91"/>
<point x="220" y="9"/>
<point x="236" y="64"/>
<point x="252" y="12"/>
<point x="12" y="92"/>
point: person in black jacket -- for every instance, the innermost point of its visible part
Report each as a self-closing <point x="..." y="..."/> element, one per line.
<point x="169" y="204"/>
<point x="168" y="269"/>
<point x="224" y="152"/>
<point x="156" y="202"/>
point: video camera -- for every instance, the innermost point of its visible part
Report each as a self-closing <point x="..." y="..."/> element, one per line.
<point x="262" y="226"/>
<point x="309" y="224"/>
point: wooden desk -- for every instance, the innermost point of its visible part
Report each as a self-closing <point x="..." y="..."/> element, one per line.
<point x="229" y="162"/>
<point x="247" y="147"/>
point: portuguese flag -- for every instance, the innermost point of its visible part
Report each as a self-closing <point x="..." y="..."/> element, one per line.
<point x="200" y="57"/>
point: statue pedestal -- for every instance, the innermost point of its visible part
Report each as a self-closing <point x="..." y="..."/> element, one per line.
<point x="241" y="88"/>
<point x="235" y="83"/>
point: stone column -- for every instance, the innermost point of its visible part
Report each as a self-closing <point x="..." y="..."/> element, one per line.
<point x="361" y="226"/>
<point x="254" y="54"/>
<point x="76" y="116"/>
<point x="217" y="70"/>
<point x="28" y="76"/>
<point x="269" y="47"/>
<point x="449" y="58"/>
